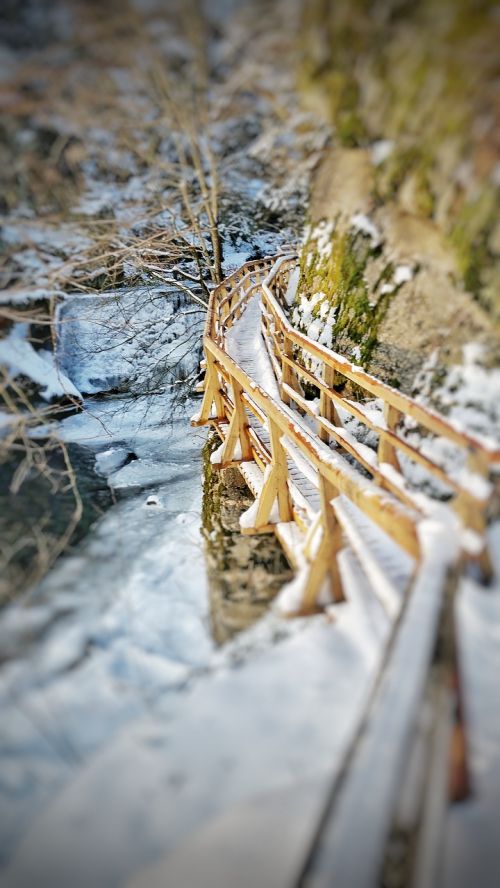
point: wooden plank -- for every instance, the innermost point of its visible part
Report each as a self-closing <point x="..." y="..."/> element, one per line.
<point x="380" y="750"/>
<point x="281" y="469"/>
<point x="386" y="449"/>
<point x="326" y="405"/>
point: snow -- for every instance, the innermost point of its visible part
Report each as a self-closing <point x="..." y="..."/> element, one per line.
<point x="293" y="283"/>
<point x="25" y="295"/>
<point x="402" y="274"/>
<point x="381" y="150"/>
<point x="247" y="519"/>
<point x="291" y="595"/>
<point x="159" y="775"/>
<point x="110" y="460"/>
<point x="216" y="456"/>
<point x="138" y="339"/>
<point x="21" y="359"/>
<point x="469" y="394"/>
<point x="364" y="225"/>
<point x="244" y="344"/>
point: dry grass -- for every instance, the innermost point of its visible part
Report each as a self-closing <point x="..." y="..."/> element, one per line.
<point x="167" y="231"/>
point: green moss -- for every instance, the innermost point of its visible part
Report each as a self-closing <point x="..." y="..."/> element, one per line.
<point x="402" y="163"/>
<point x="211" y="503"/>
<point x="341" y="278"/>
<point x="422" y="75"/>
<point x="469" y="236"/>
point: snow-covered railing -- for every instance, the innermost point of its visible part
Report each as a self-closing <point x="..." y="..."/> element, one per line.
<point x="232" y="400"/>
<point x="257" y="426"/>
<point x="298" y="359"/>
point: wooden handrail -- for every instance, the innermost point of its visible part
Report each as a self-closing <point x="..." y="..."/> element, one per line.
<point x="390" y="502"/>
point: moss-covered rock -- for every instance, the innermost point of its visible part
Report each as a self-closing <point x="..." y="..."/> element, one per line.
<point x="423" y="77"/>
<point x="245" y="572"/>
<point x="336" y="305"/>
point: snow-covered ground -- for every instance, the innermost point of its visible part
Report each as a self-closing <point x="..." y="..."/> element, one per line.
<point x="126" y="732"/>
<point x="129" y="743"/>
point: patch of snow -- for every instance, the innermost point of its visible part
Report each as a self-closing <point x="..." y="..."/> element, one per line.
<point x="291" y="595"/>
<point x="402" y="274"/>
<point x="216" y="456"/>
<point x="138" y="339"/>
<point x="363" y="224"/>
<point x="381" y="150"/>
<point x="21" y="359"/>
<point x="293" y="283"/>
<point x="108" y="461"/>
<point x="247" y="519"/>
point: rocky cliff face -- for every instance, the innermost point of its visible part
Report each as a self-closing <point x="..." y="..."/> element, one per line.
<point x="411" y="258"/>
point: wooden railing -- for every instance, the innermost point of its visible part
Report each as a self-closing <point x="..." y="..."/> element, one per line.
<point x="276" y="437"/>
<point x="343" y="390"/>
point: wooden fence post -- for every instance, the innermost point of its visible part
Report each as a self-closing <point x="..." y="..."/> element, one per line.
<point x="281" y="469"/>
<point x="237" y="431"/>
<point x="473" y="515"/>
<point x="326" y="406"/>
<point x="324" y="564"/>
<point x="212" y="396"/>
<point x="274" y="488"/>
<point x="386" y="451"/>
<point x="288" y="375"/>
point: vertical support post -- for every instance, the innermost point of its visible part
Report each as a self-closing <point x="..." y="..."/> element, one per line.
<point x="326" y="406"/>
<point x="325" y="564"/>
<point x="288" y="375"/>
<point x="286" y="370"/>
<point x="280" y="467"/>
<point x="238" y="430"/>
<point x="459" y="773"/>
<point x="474" y="516"/>
<point x="275" y="487"/>
<point x="386" y="451"/>
<point x="212" y="396"/>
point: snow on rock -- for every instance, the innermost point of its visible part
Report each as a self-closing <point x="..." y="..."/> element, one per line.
<point x="144" y="473"/>
<point x="381" y="150"/>
<point x="216" y="456"/>
<point x="402" y="274"/>
<point x="469" y="394"/>
<point x="136" y="339"/>
<point x="21" y="359"/>
<point x="26" y="295"/>
<point x="109" y="461"/>
<point x="364" y="225"/>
